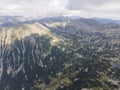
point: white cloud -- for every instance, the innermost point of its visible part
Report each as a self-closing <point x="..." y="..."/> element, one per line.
<point x="44" y="8"/>
<point x="33" y="7"/>
<point x="96" y="8"/>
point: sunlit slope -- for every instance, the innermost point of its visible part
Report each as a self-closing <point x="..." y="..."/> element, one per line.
<point x="9" y="34"/>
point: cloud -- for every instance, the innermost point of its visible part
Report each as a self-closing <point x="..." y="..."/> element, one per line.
<point x="45" y="8"/>
<point x="33" y="7"/>
<point x="96" y="8"/>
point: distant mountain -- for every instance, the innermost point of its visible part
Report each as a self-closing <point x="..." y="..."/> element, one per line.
<point x="89" y="22"/>
<point x="65" y="18"/>
<point x="15" y="20"/>
<point x="11" y="20"/>
<point x="106" y="21"/>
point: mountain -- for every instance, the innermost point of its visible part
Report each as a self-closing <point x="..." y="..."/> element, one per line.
<point x="21" y="31"/>
<point x="103" y="38"/>
<point x="59" y="53"/>
<point x="11" y="20"/>
<point x="23" y="47"/>
<point x="105" y="20"/>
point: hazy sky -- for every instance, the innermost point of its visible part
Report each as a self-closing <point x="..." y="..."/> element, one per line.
<point x="44" y="8"/>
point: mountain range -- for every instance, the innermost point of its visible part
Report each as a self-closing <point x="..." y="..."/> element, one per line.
<point x="59" y="53"/>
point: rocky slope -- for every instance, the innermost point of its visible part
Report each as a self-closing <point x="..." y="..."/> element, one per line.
<point x="22" y="48"/>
